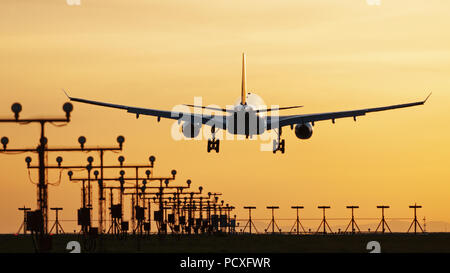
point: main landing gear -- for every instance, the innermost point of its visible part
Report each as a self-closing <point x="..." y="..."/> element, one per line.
<point x="213" y="144"/>
<point x="279" y="144"/>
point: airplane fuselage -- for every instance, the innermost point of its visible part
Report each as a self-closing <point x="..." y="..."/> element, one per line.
<point x="245" y="118"/>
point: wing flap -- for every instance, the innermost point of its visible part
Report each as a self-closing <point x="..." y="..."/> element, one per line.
<point x="295" y="119"/>
<point x="209" y="120"/>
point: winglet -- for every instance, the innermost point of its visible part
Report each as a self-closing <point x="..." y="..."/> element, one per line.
<point x="427" y="97"/>
<point x="66" y="94"/>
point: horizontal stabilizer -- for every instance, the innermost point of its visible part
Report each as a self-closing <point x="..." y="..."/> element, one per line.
<point x="210" y="108"/>
<point x="276" y="109"/>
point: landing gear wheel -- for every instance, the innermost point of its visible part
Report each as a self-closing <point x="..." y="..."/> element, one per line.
<point x="282" y="145"/>
<point x="217" y="145"/>
<point x="213" y="144"/>
<point x="279" y="146"/>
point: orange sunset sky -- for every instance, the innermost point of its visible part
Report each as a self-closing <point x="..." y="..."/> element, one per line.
<point x="328" y="55"/>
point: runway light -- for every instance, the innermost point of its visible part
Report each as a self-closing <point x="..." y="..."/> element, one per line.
<point x="90" y="159"/>
<point x="352" y="221"/>
<point x="324" y="220"/>
<point x="28" y="161"/>
<point x="68" y="108"/>
<point x="59" y="160"/>
<point x="16" y="108"/>
<point x="152" y="159"/>
<point x="121" y="160"/>
<point x="383" y="222"/>
<point x="5" y="142"/>
<point x="120" y="140"/>
<point x="82" y="141"/>
<point x="44" y="141"/>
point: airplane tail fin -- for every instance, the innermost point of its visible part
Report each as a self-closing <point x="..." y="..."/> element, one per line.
<point x="244" y="81"/>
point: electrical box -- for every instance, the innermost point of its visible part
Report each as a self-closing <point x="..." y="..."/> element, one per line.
<point x="215" y="220"/>
<point x="163" y="227"/>
<point x="223" y="221"/>
<point x="116" y="211"/>
<point x="171" y="218"/>
<point x="146" y="226"/>
<point x="140" y="213"/>
<point x="124" y="226"/>
<point x="93" y="231"/>
<point x="35" y="221"/>
<point x="157" y="215"/>
<point x="84" y="217"/>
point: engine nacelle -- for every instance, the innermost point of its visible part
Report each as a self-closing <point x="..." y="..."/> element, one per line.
<point x="191" y="130"/>
<point x="304" y="130"/>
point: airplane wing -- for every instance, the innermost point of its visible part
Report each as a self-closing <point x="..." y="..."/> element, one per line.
<point x="209" y="120"/>
<point x="296" y="119"/>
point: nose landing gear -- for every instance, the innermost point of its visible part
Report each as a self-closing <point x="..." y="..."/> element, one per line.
<point x="213" y="144"/>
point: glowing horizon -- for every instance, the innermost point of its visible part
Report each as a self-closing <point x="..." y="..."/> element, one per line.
<point x="325" y="55"/>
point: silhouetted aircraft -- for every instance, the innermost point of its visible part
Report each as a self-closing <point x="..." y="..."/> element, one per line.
<point x="247" y="117"/>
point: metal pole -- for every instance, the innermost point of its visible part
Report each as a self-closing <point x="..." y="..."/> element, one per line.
<point x="42" y="186"/>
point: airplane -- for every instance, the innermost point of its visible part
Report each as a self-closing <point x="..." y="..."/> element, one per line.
<point x="247" y="117"/>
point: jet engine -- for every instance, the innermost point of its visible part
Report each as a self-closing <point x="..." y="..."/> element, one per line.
<point x="191" y="130"/>
<point x="304" y="130"/>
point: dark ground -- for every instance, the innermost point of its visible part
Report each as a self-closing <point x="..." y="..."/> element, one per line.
<point x="390" y="243"/>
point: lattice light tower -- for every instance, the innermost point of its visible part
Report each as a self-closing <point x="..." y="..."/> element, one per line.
<point x="41" y="150"/>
